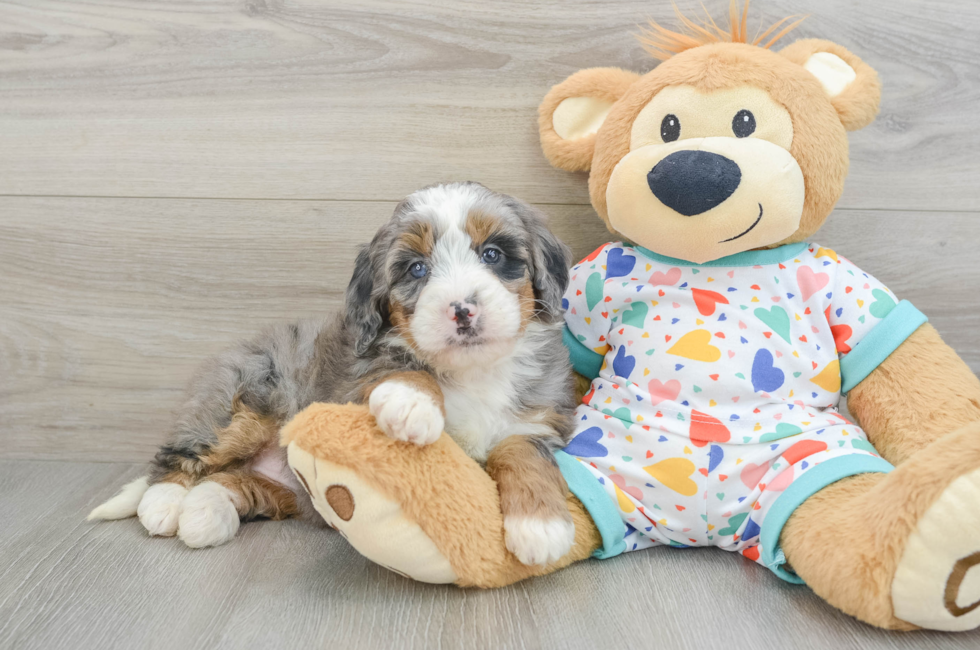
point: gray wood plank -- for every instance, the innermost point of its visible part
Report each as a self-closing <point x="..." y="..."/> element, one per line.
<point x="66" y="583"/>
<point x="109" y="304"/>
<point x="369" y="100"/>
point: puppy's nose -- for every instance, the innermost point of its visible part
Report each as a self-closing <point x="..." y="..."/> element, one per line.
<point x="464" y="313"/>
<point x="692" y="182"/>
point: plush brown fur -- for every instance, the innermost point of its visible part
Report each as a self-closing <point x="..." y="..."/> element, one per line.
<point x="847" y="540"/>
<point x="441" y="488"/>
<point x="921" y="392"/>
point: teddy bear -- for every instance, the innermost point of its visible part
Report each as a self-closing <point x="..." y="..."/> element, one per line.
<point x="718" y="339"/>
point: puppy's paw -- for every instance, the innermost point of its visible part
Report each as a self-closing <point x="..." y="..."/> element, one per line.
<point x="159" y="508"/>
<point x="536" y="541"/>
<point x="405" y="413"/>
<point x="208" y="517"/>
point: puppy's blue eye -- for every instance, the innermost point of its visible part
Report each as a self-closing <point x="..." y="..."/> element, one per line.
<point x="491" y="256"/>
<point x="418" y="270"/>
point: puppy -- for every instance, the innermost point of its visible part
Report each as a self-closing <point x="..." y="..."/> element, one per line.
<point x="452" y="322"/>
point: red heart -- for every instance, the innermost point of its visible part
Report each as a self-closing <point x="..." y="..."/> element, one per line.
<point x="848" y="289"/>
<point x="667" y="338"/>
<point x="704" y="471"/>
<point x="755" y="286"/>
<point x="715" y="377"/>
<point x="765" y="334"/>
<point x="802" y="449"/>
<point x="814" y="364"/>
<point x="681" y="508"/>
<point x="649" y="454"/>
<point x="751" y="553"/>
<point x="722" y="477"/>
<point x="605" y="314"/>
<point x="578" y="292"/>
<point x="720" y="335"/>
<point x="705" y="301"/>
<point x="705" y="429"/>
<point x="656" y="318"/>
<point x="841" y="333"/>
<point x="661" y="293"/>
<point x="802" y="338"/>
<point x="607" y="299"/>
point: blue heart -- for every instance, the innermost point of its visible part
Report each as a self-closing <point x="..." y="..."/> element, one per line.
<point x="564" y="304"/>
<point x="715" y="457"/>
<point x="662" y="439"/>
<point x="619" y="265"/>
<point x="623" y="365"/>
<point x="751" y="530"/>
<point x="678" y="366"/>
<point x="586" y="444"/>
<point x="765" y="376"/>
<point x="722" y="317"/>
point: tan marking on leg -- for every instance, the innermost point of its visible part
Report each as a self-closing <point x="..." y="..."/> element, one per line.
<point x="341" y="500"/>
<point x="529" y="483"/>
<point x="953" y="585"/>
<point x="180" y="478"/>
<point x="239" y="442"/>
<point x="258" y="496"/>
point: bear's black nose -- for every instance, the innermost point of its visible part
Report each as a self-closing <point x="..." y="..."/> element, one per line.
<point x="692" y="182"/>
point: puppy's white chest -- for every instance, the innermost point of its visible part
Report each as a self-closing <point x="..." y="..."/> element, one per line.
<point x="480" y="412"/>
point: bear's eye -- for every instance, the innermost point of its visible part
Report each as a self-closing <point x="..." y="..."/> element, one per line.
<point x="670" y="128"/>
<point x="743" y="124"/>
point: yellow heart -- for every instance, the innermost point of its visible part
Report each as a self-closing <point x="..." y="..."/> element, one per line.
<point x="797" y="317"/>
<point x="860" y="303"/>
<point x="699" y="321"/>
<point x="675" y="474"/>
<point x="639" y="418"/>
<point x="649" y="267"/>
<point x="754" y="299"/>
<point x="687" y="450"/>
<point x="711" y="527"/>
<point x="758" y="427"/>
<point x="629" y="438"/>
<point x="711" y="279"/>
<point x="712" y="403"/>
<point x="829" y="378"/>
<point x="646" y="335"/>
<point x="608" y="400"/>
<point x="624" y="503"/>
<point x="694" y="345"/>
<point x="588" y="320"/>
<point x="826" y="252"/>
<point x="646" y="371"/>
<point x="796" y="354"/>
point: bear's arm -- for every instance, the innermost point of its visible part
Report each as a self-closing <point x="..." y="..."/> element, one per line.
<point x="920" y="392"/>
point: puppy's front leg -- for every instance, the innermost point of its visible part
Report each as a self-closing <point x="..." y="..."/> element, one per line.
<point x="538" y="528"/>
<point x="408" y="406"/>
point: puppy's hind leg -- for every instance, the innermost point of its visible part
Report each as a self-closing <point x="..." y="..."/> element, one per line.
<point x="538" y="528"/>
<point x="212" y="510"/>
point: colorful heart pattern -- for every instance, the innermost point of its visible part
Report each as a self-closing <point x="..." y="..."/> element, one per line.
<point x="694" y="447"/>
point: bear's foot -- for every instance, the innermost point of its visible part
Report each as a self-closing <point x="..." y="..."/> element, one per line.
<point x="937" y="582"/>
<point x="374" y="523"/>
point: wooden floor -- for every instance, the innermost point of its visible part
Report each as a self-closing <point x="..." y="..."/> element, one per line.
<point x="174" y="175"/>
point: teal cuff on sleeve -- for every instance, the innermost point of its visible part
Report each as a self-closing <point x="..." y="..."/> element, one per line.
<point x="880" y="342"/>
<point x="811" y="482"/>
<point x="585" y="361"/>
<point x="586" y="489"/>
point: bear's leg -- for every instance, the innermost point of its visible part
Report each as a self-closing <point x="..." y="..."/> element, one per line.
<point x="430" y="512"/>
<point x="898" y="550"/>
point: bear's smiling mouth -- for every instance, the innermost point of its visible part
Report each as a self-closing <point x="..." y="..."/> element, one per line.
<point x="747" y="231"/>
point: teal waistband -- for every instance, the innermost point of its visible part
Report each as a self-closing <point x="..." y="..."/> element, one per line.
<point x="586" y="488"/>
<point x="880" y="342"/>
<point x="811" y="482"/>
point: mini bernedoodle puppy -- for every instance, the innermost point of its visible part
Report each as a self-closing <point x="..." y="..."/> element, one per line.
<point x="452" y="322"/>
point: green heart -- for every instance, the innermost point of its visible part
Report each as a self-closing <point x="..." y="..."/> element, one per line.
<point x="636" y="315"/>
<point x="650" y="351"/>
<point x="697" y="389"/>
<point x="740" y="375"/>
<point x="797" y="374"/>
<point x="882" y="305"/>
<point x="783" y="430"/>
<point x="627" y="459"/>
<point x="623" y="414"/>
<point x="863" y="445"/>
<point x="776" y="318"/>
<point x="733" y="524"/>
<point x="593" y="290"/>
<point x="720" y="495"/>
<point x="746" y="438"/>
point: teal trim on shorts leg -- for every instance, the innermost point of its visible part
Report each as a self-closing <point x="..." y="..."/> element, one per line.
<point x="811" y="482"/>
<point x="880" y="342"/>
<point x="586" y="488"/>
<point x="585" y="361"/>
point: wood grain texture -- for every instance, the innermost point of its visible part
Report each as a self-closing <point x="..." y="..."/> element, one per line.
<point x="110" y="304"/>
<point x="370" y="99"/>
<point x="69" y="584"/>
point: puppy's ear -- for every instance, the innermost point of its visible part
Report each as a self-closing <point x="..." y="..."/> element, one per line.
<point x="851" y="84"/>
<point x="572" y="112"/>
<point x="549" y="263"/>
<point x="367" y="303"/>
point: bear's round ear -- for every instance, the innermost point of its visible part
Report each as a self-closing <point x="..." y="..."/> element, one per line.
<point x="572" y="112"/>
<point x="850" y="83"/>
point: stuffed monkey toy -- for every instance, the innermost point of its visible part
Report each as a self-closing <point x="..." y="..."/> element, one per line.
<point x="719" y="339"/>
